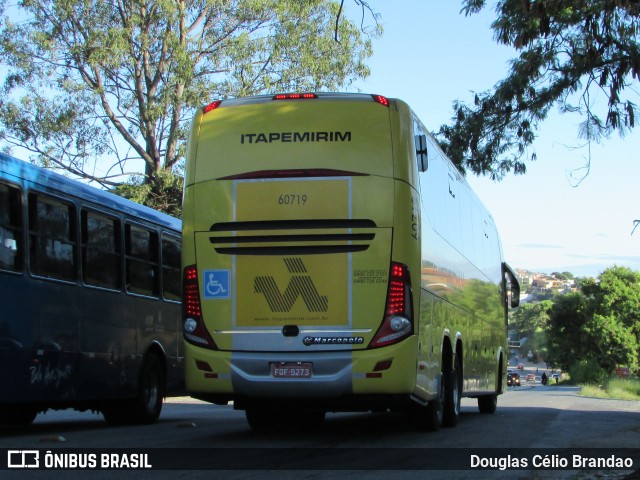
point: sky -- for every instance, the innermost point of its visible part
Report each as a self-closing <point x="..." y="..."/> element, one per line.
<point x="429" y="55"/>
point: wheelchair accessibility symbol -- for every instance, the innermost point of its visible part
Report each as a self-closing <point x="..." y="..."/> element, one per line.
<point x="216" y="284"/>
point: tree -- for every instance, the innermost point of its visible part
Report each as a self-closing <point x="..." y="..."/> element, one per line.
<point x="610" y="342"/>
<point x="570" y="52"/>
<point x="91" y="79"/>
<point x="564" y="341"/>
<point x="600" y="323"/>
<point x="618" y="293"/>
<point x="531" y="317"/>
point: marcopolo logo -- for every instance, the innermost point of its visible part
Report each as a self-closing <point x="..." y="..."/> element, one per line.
<point x="308" y="341"/>
<point x="300" y="285"/>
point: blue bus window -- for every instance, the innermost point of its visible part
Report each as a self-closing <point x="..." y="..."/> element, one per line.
<point x="52" y="240"/>
<point x="10" y="228"/>
<point x="171" y="277"/>
<point x="142" y="261"/>
<point x="100" y="250"/>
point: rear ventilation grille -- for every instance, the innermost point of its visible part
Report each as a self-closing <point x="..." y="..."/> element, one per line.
<point x="289" y="237"/>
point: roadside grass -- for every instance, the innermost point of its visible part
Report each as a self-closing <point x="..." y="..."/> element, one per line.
<point x="615" y="388"/>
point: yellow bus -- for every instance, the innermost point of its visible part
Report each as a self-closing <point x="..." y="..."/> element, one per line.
<point x="335" y="260"/>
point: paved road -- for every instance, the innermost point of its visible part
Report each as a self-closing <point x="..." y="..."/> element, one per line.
<point x="530" y="417"/>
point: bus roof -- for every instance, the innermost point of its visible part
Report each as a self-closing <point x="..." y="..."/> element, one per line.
<point x="351" y="97"/>
<point x="26" y="172"/>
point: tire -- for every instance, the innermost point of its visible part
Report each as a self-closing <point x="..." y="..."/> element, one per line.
<point x="260" y="420"/>
<point x="146" y="407"/>
<point x="429" y="418"/>
<point x="452" y="379"/>
<point x="151" y="386"/>
<point x="17" y="416"/>
<point x="264" y="420"/>
<point x="488" y="403"/>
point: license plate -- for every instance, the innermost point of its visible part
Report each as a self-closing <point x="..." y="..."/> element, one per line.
<point x="291" y="370"/>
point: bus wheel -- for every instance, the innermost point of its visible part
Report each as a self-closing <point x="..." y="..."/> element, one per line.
<point x="261" y="420"/>
<point x="265" y="419"/>
<point x="305" y="420"/>
<point x="452" y="380"/>
<point x="145" y="408"/>
<point x="148" y="404"/>
<point x="488" y="403"/>
<point x="429" y="417"/>
<point x="17" y="416"/>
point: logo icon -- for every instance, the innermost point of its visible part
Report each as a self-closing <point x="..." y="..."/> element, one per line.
<point x="216" y="284"/>
<point x="300" y="285"/>
<point x="23" y="459"/>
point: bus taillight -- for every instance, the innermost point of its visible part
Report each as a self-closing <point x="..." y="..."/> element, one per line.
<point x="398" y="319"/>
<point x="295" y="96"/>
<point x="211" y="106"/>
<point x="381" y="100"/>
<point x="193" y="327"/>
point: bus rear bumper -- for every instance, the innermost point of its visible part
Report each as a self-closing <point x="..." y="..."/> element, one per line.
<point x="224" y="376"/>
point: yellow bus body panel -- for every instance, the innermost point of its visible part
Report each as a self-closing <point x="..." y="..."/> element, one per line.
<point x="293" y="213"/>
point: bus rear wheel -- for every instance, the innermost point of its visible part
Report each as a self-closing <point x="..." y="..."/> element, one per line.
<point x="269" y="420"/>
<point x="452" y="379"/>
<point x="17" y="416"/>
<point x="488" y="403"/>
<point x="148" y="404"/>
<point x="429" y="417"/>
<point x="146" y="407"/>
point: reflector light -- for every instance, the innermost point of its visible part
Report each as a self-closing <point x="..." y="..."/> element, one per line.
<point x="381" y="100"/>
<point x="211" y="106"/>
<point x="295" y="96"/>
<point x="383" y="365"/>
<point x="204" y="366"/>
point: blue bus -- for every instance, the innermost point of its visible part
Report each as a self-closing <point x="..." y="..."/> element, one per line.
<point x="90" y="293"/>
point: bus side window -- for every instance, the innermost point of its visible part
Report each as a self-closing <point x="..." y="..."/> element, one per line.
<point x="171" y="279"/>
<point x="142" y="273"/>
<point x="11" y="246"/>
<point x="100" y="250"/>
<point x="52" y="237"/>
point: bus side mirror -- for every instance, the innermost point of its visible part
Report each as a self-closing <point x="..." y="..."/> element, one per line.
<point x="513" y="284"/>
<point x="421" y="152"/>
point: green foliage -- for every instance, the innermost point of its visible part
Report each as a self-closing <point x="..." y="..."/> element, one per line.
<point x="563" y="275"/>
<point x="530" y="317"/>
<point x="599" y="324"/>
<point x="587" y="372"/>
<point x="164" y="194"/>
<point x="88" y="79"/>
<point x="619" y="292"/>
<point x="610" y="341"/>
<point x="627" y="389"/>
<point x="566" y="319"/>
<point x="569" y="51"/>
<point x="614" y="388"/>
